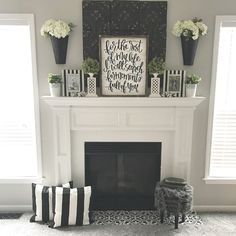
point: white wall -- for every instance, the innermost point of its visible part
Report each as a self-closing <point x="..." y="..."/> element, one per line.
<point x="71" y="11"/>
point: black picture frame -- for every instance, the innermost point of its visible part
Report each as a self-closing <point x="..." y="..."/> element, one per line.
<point x="123" y="62"/>
<point x="174" y="83"/>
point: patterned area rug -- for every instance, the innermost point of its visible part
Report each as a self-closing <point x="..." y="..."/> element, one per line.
<point x="138" y="218"/>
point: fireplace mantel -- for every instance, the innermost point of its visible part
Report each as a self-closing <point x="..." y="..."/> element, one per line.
<point x="77" y="120"/>
<point x="122" y="101"/>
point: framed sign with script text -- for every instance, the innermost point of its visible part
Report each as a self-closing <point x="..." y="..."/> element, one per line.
<point x="123" y="65"/>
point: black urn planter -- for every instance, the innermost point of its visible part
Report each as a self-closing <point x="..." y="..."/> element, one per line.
<point x="59" y="46"/>
<point x="189" y="47"/>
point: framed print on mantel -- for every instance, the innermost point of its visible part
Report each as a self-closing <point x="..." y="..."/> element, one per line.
<point x="73" y="82"/>
<point x="123" y="65"/>
<point x="174" y="82"/>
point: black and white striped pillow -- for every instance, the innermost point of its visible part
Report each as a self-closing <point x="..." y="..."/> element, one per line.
<point x="71" y="206"/>
<point x="42" y="202"/>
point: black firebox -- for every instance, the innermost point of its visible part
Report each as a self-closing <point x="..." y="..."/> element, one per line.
<point x="123" y="175"/>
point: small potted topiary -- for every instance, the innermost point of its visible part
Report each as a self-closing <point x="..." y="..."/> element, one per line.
<point x="191" y="85"/>
<point x="156" y="67"/>
<point x="91" y="66"/>
<point x="54" y="81"/>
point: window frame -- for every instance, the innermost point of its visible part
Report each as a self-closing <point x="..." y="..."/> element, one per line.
<point x="210" y="180"/>
<point x="28" y="19"/>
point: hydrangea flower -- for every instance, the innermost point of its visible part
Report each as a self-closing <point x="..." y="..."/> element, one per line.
<point x="56" y="28"/>
<point x="190" y="28"/>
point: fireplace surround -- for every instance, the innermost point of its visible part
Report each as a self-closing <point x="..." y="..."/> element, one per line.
<point x="80" y="120"/>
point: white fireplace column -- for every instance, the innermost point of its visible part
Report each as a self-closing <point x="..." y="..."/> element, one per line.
<point x="123" y="119"/>
<point x="61" y="144"/>
<point x="183" y="142"/>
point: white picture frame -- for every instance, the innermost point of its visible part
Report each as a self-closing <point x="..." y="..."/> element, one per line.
<point x="73" y="82"/>
<point x="174" y="83"/>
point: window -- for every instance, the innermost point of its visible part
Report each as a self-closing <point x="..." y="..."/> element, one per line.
<point x="19" y="119"/>
<point x="221" y="152"/>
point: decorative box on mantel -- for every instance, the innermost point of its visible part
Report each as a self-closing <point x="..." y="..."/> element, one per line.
<point x="121" y="119"/>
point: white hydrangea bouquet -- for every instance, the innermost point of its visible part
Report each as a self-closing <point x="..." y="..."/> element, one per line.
<point x="190" y="28"/>
<point x="56" y="28"/>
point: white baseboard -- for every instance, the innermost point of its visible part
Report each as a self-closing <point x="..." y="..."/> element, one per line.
<point x="215" y="208"/>
<point x="15" y="208"/>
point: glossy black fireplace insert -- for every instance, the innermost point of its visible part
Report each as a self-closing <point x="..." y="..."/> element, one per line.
<point x="123" y="174"/>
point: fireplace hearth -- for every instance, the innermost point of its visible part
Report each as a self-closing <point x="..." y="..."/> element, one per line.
<point x="123" y="174"/>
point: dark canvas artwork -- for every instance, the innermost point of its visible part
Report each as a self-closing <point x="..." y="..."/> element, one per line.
<point x="124" y="18"/>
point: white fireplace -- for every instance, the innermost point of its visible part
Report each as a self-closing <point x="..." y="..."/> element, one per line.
<point x="117" y="119"/>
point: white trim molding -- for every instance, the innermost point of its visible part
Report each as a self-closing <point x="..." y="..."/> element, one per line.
<point x="212" y="96"/>
<point x="22" y="180"/>
<point x="219" y="21"/>
<point x="15" y="208"/>
<point x="123" y="101"/>
<point x="214" y="208"/>
<point x="28" y="20"/>
<point x="212" y="180"/>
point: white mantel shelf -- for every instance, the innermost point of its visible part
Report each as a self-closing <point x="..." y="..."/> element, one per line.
<point x="122" y="101"/>
<point x="126" y="119"/>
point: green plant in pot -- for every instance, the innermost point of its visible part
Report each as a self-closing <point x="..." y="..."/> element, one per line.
<point x="91" y="66"/>
<point x="191" y="85"/>
<point x="189" y="31"/>
<point x="54" y="81"/>
<point x="156" y="67"/>
<point x="58" y="31"/>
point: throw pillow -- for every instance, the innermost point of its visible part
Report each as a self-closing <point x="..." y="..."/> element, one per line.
<point x="42" y="202"/>
<point x="71" y="206"/>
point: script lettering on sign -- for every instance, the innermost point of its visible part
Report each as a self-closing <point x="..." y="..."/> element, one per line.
<point x="123" y="65"/>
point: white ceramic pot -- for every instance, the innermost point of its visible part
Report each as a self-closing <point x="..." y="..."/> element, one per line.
<point x="55" y="89"/>
<point x="91" y="75"/>
<point x="191" y="90"/>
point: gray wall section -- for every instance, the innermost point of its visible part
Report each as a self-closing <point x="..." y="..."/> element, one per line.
<point x="71" y="12"/>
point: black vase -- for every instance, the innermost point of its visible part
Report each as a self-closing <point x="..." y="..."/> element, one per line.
<point x="59" y="46"/>
<point x="189" y="47"/>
